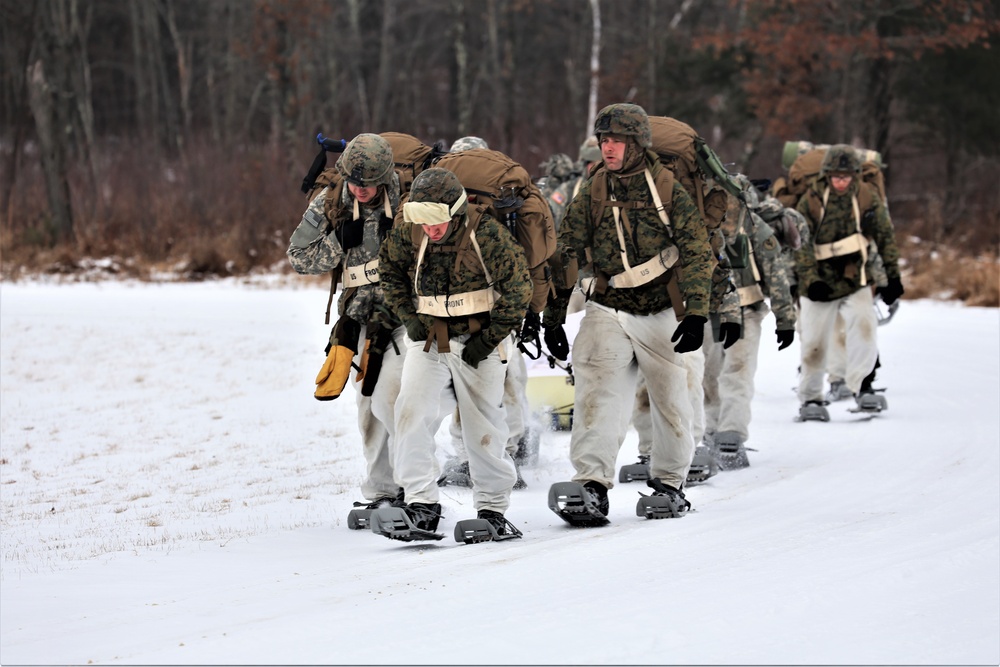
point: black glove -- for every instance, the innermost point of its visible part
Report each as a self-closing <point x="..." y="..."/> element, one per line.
<point x="785" y="338"/>
<point x="690" y="332"/>
<point x="891" y="292"/>
<point x="476" y="349"/>
<point x="729" y="333"/>
<point x="555" y="340"/>
<point x="819" y="291"/>
<point x="351" y="233"/>
<point x="530" y="327"/>
<point x="416" y="330"/>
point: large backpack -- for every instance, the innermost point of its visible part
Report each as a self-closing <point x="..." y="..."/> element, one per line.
<point x="700" y="170"/>
<point x="498" y="185"/>
<point x="803" y="161"/>
<point x="410" y="156"/>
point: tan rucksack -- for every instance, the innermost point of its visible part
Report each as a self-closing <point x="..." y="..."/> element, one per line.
<point x="803" y="161"/>
<point x="410" y="156"/>
<point x="498" y="185"/>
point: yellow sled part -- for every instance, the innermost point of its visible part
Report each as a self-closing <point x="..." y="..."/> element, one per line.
<point x="552" y="395"/>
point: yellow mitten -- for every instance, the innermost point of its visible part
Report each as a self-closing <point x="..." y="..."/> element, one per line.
<point x="337" y="368"/>
<point x="333" y="376"/>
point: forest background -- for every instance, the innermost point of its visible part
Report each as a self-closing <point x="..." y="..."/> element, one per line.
<point x="145" y="138"/>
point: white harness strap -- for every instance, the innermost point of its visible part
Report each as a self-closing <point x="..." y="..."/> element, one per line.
<point x="651" y="268"/>
<point x="455" y="305"/>
<point x="366" y="273"/>
<point x="361" y="274"/>
<point x="855" y="243"/>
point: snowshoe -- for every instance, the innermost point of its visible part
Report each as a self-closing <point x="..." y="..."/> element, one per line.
<point x="813" y="411"/>
<point x="635" y="472"/>
<point x="869" y="402"/>
<point x="729" y="451"/>
<point x="838" y="392"/>
<point x="665" y="503"/>
<point x="703" y="466"/>
<point x="488" y="526"/>
<point x="456" y="473"/>
<point x="578" y="504"/>
<point x="416" y="521"/>
<point x="358" y="518"/>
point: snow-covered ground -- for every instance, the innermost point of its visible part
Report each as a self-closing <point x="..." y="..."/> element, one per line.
<point x="172" y="494"/>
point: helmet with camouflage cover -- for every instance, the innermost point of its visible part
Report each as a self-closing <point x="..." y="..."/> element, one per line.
<point x="437" y="186"/>
<point x="559" y="166"/>
<point x="467" y="143"/>
<point x="367" y="161"/>
<point x="840" y="159"/>
<point x="625" y="119"/>
<point x="590" y="151"/>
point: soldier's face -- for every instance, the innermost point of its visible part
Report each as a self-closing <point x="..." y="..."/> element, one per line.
<point x="363" y="195"/>
<point x="841" y="182"/>
<point x="613" y="151"/>
<point x="436" y="232"/>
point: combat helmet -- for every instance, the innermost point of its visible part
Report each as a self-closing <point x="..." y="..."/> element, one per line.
<point x="432" y="188"/>
<point x="467" y="143"/>
<point x="559" y="166"/>
<point x="627" y="120"/>
<point x="367" y="161"/>
<point x="590" y="151"/>
<point x="840" y="159"/>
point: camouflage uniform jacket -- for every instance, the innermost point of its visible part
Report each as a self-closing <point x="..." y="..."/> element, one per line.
<point x="772" y="268"/>
<point x="647" y="238"/>
<point x="315" y="249"/>
<point x="502" y="255"/>
<point x="842" y="273"/>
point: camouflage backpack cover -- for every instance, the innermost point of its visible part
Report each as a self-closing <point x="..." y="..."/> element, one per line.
<point x="498" y="185"/>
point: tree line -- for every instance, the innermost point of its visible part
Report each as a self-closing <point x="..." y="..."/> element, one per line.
<point x="160" y="128"/>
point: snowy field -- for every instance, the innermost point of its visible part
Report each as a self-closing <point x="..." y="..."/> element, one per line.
<point x="172" y="494"/>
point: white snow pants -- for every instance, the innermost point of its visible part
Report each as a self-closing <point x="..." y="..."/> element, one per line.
<point x="427" y="376"/>
<point x="609" y="350"/>
<point x="643" y="423"/>
<point x="515" y="400"/>
<point x="836" y="354"/>
<point x="729" y="375"/>
<point x="818" y="324"/>
<point x="376" y="419"/>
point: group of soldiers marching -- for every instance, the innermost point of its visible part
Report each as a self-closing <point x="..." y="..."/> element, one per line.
<point x="437" y="293"/>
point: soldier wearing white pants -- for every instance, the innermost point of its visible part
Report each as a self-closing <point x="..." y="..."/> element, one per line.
<point x="818" y="326"/>
<point x="611" y="347"/>
<point x="479" y="392"/>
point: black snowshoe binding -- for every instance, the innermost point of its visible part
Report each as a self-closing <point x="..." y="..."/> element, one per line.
<point x="580" y="504"/>
<point x="635" y="472"/>
<point x="488" y="526"/>
<point x="813" y="411"/>
<point x="416" y="521"/>
<point x="359" y="518"/>
<point x="665" y="503"/>
<point x="703" y="465"/>
<point x="729" y="450"/>
<point x="456" y="473"/>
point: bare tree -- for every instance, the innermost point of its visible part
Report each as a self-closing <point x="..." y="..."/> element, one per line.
<point x="595" y="62"/>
